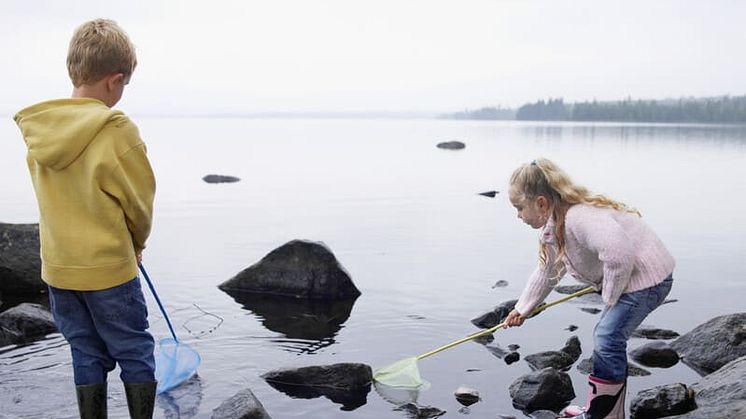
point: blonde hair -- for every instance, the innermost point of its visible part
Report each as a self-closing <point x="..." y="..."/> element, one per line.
<point x="97" y="49"/>
<point x="542" y="177"/>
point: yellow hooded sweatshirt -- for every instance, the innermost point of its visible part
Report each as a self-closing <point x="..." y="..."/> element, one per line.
<point x="95" y="189"/>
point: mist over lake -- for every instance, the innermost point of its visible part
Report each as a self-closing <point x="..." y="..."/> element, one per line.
<point x="406" y="220"/>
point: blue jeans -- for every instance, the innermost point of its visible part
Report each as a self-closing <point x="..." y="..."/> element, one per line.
<point x="616" y="326"/>
<point x="104" y="328"/>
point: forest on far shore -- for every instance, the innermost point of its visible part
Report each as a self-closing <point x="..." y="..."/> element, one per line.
<point x="711" y="110"/>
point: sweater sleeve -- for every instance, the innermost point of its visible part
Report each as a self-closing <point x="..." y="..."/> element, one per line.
<point x="132" y="183"/>
<point x="539" y="284"/>
<point x="600" y="233"/>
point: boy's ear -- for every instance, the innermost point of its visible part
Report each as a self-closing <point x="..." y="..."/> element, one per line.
<point x="114" y="80"/>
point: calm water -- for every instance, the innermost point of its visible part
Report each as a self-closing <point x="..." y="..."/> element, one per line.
<point x="405" y="220"/>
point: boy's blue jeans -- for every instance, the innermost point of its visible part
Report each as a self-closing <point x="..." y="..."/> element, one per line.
<point x="616" y="326"/>
<point x="104" y="328"/>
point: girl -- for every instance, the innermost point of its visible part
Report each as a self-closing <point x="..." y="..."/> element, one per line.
<point x="600" y="242"/>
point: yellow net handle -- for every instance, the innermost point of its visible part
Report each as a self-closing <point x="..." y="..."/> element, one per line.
<point x="491" y="330"/>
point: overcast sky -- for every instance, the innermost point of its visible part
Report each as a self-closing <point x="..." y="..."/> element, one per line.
<point x="374" y="55"/>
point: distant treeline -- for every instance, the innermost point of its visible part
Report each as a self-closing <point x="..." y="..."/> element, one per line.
<point x="484" y="113"/>
<point x="723" y="109"/>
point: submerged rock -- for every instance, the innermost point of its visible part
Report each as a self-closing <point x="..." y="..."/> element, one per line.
<point x="451" y="145"/>
<point x="662" y="401"/>
<point x="714" y="343"/>
<point x="220" y="179"/>
<point x="655" y="354"/>
<point x="20" y="263"/>
<point x="544" y="389"/>
<point x="586" y="367"/>
<point x="24" y="323"/>
<point x="299" y="268"/>
<point x="347" y="384"/>
<point x="243" y="405"/>
<point x="648" y="332"/>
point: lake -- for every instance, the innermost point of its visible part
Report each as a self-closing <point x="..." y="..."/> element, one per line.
<point x="405" y="220"/>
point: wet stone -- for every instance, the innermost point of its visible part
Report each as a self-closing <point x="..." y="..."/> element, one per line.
<point x="466" y="396"/>
<point x="512" y="357"/>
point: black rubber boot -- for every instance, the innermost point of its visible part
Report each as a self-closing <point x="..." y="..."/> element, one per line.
<point x="92" y="401"/>
<point x="140" y="399"/>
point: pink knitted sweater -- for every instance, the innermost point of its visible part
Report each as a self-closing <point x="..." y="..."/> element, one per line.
<point x="613" y="251"/>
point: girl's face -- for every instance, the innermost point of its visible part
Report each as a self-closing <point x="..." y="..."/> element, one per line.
<point x="534" y="212"/>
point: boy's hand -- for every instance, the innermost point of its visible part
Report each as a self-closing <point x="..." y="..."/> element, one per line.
<point x="514" y="319"/>
<point x="139" y="258"/>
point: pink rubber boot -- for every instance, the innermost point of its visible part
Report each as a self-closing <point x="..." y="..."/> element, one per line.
<point x="605" y="401"/>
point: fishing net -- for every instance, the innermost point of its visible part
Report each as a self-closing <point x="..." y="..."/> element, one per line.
<point x="175" y="363"/>
<point x="403" y="373"/>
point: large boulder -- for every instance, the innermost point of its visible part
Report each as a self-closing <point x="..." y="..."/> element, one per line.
<point x="301" y="269"/>
<point x="25" y="322"/>
<point x="721" y="394"/>
<point x="560" y="360"/>
<point x="714" y="343"/>
<point x="243" y="405"/>
<point x="346" y="383"/>
<point x="543" y="389"/>
<point x="20" y="264"/>
<point x="494" y="317"/>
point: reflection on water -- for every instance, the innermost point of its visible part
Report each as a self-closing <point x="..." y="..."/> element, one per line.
<point x="306" y="319"/>
<point x="350" y="399"/>
<point x="183" y="401"/>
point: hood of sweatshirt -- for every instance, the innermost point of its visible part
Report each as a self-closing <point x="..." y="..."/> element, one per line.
<point x="57" y="132"/>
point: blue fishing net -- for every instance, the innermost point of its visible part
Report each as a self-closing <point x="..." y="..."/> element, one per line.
<point x="175" y="363"/>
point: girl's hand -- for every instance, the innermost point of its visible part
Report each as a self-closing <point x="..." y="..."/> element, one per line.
<point x="514" y="319"/>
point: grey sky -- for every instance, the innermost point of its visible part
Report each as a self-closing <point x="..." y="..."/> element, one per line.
<point x="401" y="55"/>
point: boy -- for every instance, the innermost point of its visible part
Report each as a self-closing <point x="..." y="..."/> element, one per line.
<point x="95" y="190"/>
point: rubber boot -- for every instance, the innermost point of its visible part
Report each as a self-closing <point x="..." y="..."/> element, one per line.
<point x="605" y="401"/>
<point x="91" y="401"/>
<point x="140" y="399"/>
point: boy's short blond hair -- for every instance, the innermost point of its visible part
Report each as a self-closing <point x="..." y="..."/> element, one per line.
<point x="99" y="48"/>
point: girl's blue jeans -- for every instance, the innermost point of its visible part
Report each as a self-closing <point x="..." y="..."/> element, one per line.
<point x="104" y="328"/>
<point x="616" y="326"/>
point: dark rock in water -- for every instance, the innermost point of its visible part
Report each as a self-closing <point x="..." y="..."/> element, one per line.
<point x="506" y="417"/>
<point x="500" y="284"/>
<point x="662" y="401"/>
<point x="347" y="384"/>
<point x="494" y="317"/>
<point x="489" y="194"/>
<point x="586" y="367"/>
<point x="220" y="179"/>
<point x="24" y="323"/>
<point x="243" y="405"/>
<point x="544" y="389"/>
<point x="647" y="332"/>
<point x="549" y="359"/>
<point x="560" y="360"/>
<point x="497" y="351"/>
<point x="415" y="411"/>
<point x="655" y="354"/>
<point x="512" y="357"/>
<point x="299" y="268"/>
<point x="485" y="339"/>
<point x="571" y="328"/>
<point x="572" y="348"/>
<point x="591" y="310"/>
<point x="20" y="264"/>
<point x="714" y="343"/>
<point x="514" y="347"/>
<point x="451" y="145"/>
<point x="466" y="396"/>
<point x="543" y="414"/>
<point x="309" y="319"/>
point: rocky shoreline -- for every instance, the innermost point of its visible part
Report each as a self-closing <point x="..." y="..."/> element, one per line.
<point x="301" y="272"/>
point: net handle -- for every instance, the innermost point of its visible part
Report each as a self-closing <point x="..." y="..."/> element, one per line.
<point x="158" y="300"/>
<point x="493" y="329"/>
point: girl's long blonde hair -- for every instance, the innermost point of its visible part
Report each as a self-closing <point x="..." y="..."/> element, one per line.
<point x="542" y="177"/>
